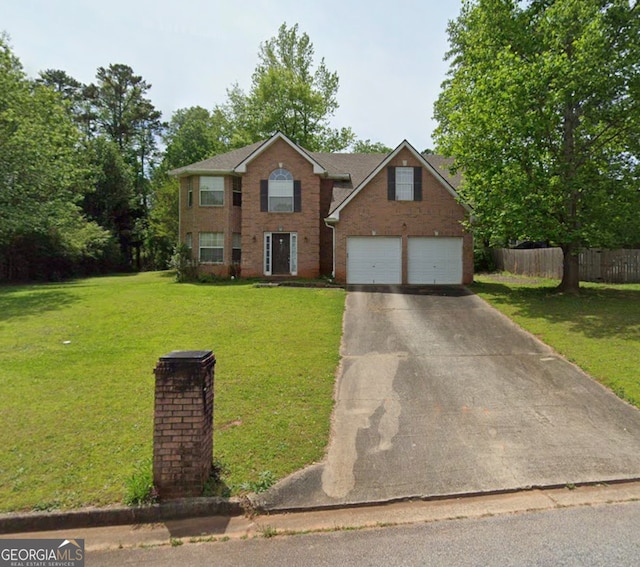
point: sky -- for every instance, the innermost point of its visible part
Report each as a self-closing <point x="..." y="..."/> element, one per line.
<point x="389" y="55"/>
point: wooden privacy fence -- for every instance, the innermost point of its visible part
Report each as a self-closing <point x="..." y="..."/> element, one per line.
<point x="608" y="266"/>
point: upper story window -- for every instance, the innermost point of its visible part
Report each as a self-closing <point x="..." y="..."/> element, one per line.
<point x="280" y="193"/>
<point x="404" y="184"/>
<point x="211" y="191"/>
<point x="190" y="192"/>
<point x="236" y="184"/>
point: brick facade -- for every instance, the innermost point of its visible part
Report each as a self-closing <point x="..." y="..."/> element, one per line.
<point x="371" y="213"/>
<point x="256" y="223"/>
<point x="195" y="219"/>
<point x="326" y="234"/>
<point x="183" y="423"/>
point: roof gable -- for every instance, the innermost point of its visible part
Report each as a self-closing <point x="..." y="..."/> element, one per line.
<point x="242" y="166"/>
<point x="335" y="214"/>
<point x="236" y="161"/>
<point x="221" y="163"/>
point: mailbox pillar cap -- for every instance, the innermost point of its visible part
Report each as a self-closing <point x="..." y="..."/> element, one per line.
<point x="186" y="355"/>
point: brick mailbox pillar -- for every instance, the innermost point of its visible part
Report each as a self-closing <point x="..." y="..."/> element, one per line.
<point x="183" y="423"/>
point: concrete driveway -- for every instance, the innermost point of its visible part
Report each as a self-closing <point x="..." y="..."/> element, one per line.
<point x="439" y="394"/>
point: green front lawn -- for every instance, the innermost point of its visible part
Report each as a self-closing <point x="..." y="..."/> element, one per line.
<point x="599" y="329"/>
<point x="77" y="384"/>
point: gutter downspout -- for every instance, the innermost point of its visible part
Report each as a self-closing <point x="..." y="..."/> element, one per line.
<point x="180" y="213"/>
<point x="330" y="223"/>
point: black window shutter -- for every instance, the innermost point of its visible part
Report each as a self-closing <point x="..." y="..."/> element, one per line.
<point x="264" y="195"/>
<point x="297" y="197"/>
<point x="417" y="184"/>
<point x="391" y="183"/>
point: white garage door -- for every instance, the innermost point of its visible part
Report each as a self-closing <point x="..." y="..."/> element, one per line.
<point x="374" y="260"/>
<point x="435" y="260"/>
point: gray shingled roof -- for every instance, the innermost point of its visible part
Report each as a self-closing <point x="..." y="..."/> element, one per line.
<point x="349" y="170"/>
<point x="222" y="162"/>
<point x="341" y="190"/>
<point x="356" y="166"/>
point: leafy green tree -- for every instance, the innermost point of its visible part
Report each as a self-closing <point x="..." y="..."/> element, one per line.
<point x="126" y="116"/>
<point x="161" y="233"/>
<point x="121" y="104"/>
<point x="78" y="96"/>
<point x="288" y="95"/>
<point x="42" y="176"/>
<point x="369" y="147"/>
<point x="541" y="110"/>
<point x="60" y="81"/>
<point x="194" y="134"/>
<point x="110" y="200"/>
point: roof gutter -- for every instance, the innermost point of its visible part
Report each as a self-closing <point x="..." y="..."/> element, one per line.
<point x="339" y="176"/>
<point x="187" y="172"/>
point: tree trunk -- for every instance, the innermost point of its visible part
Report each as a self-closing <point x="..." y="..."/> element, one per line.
<point x="570" y="269"/>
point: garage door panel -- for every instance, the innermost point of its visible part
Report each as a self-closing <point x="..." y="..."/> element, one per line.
<point x="434" y="260"/>
<point x="374" y="260"/>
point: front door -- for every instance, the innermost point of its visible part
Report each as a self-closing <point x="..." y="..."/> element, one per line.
<point x="281" y="263"/>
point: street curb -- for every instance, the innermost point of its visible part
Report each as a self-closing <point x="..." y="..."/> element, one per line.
<point x="121" y="515"/>
<point x="260" y="505"/>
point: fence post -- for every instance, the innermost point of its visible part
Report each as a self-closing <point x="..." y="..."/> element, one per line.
<point x="183" y="423"/>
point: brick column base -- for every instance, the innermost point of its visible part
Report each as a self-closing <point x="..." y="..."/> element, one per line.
<point x="183" y="423"/>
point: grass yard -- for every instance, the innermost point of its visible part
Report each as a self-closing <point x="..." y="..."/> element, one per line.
<point x="599" y="330"/>
<point x="77" y="384"/>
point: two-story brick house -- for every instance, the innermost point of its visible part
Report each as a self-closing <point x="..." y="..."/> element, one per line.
<point x="274" y="210"/>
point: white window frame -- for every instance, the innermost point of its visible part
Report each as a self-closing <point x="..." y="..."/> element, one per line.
<point x="215" y="187"/>
<point x="404" y="184"/>
<point x="188" y="240"/>
<point x="190" y="192"/>
<point x="293" y="250"/>
<point x="267" y="253"/>
<point x="280" y="187"/>
<point x="216" y="242"/>
<point x="293" y="253"/>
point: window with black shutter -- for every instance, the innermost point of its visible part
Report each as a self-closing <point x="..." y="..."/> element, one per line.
<point x="264" y="195"/>
<point x="280" y="193"/>
<point x="297" y="197"/>
<point x="404" y="183"/>
<point x="417" y="184"/>
<point x="391" y="183"/>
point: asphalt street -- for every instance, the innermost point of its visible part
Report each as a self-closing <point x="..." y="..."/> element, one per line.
<point x="591" y="536"/>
